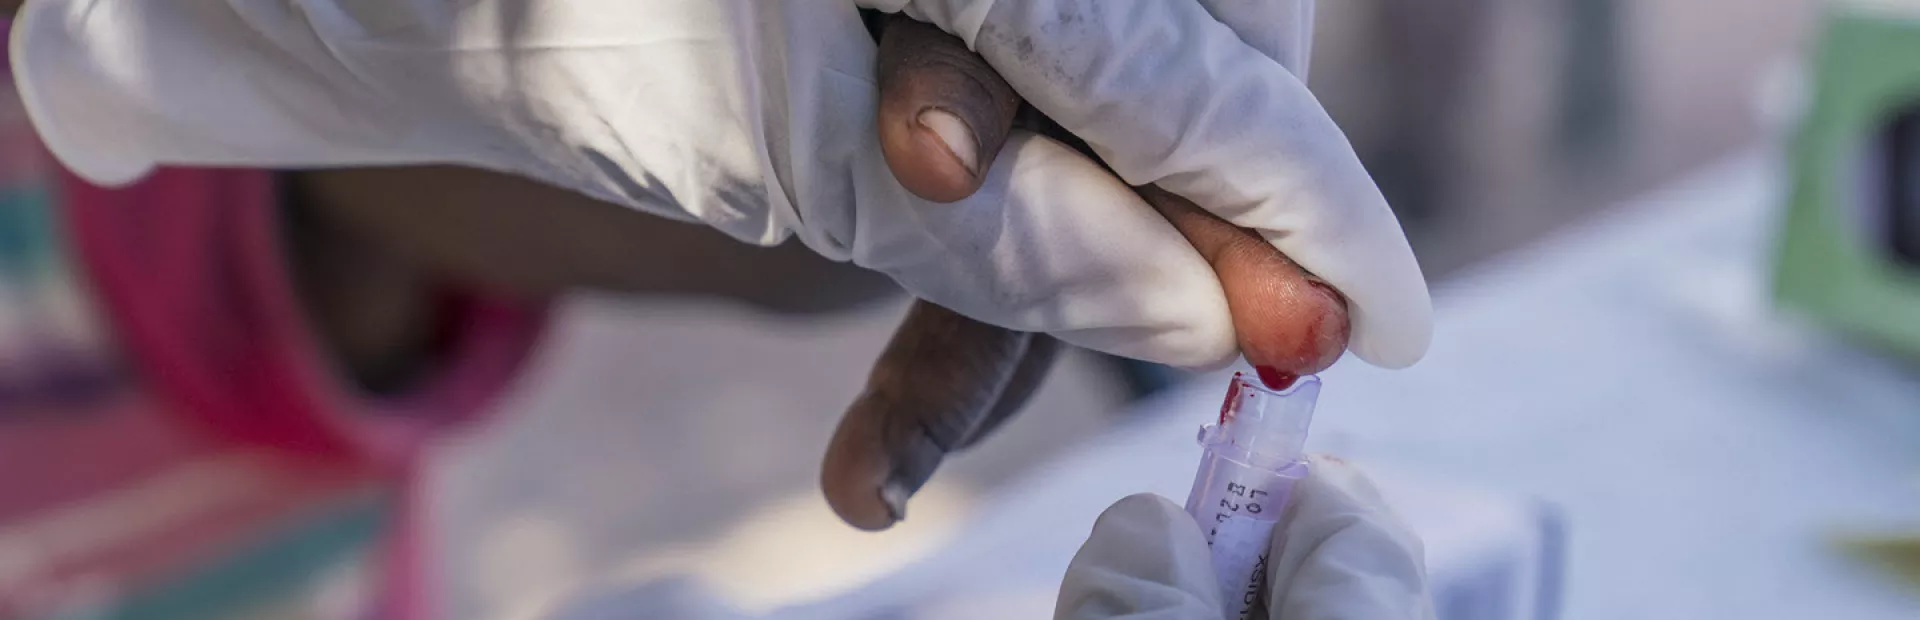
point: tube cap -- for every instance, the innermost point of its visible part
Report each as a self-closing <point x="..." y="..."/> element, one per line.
<point x="1263" y="427"/>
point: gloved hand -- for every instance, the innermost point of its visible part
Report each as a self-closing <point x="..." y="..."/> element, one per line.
<point x="757" y="118"/>
<point x="1338" y="553"/>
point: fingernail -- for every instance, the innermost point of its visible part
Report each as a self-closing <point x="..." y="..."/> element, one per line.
<point x="957" y="135"/>
<point x="1275" y="379"/>
<point x="913" y="464"/>
<point x="894" y="497"/>
<point x="913" y="460"/>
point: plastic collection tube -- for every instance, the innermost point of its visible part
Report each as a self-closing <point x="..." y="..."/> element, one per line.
<point x="1254" y="456"/>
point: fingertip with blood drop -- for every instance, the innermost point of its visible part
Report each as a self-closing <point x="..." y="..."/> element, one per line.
<point x="1287" y="321"/>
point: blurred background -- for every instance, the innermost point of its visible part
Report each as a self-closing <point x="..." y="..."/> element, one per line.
<point x="1673" y="375"/>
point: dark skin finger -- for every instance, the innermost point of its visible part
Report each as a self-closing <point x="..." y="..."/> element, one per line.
<point x="893" y="438"/>
<point x="943" y="112"/>
<point x="1027" y="377"/>
<point x="927" y="395"/>
<point x="898" y="432"/>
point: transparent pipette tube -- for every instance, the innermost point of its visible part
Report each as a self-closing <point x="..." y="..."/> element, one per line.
<point x="1254" y="455"/>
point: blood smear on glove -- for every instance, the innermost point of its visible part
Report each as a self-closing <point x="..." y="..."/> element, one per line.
<point x="1254" y="456"/>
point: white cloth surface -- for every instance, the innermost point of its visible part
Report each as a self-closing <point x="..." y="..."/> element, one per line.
<point x="757" y="118"/>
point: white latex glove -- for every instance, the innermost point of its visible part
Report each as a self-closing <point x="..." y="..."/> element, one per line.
<point x="757" y="118"/>
<point x="1339" y="553"/>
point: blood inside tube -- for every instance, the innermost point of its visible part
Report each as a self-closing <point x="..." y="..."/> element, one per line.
<point x="1232" y="403"/>
<point x="1252" y="461"/>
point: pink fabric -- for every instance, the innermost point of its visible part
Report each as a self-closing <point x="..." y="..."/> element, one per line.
<point x="190" y="268"/>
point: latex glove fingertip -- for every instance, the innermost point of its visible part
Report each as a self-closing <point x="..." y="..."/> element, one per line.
<point x="1145" y="558"/>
